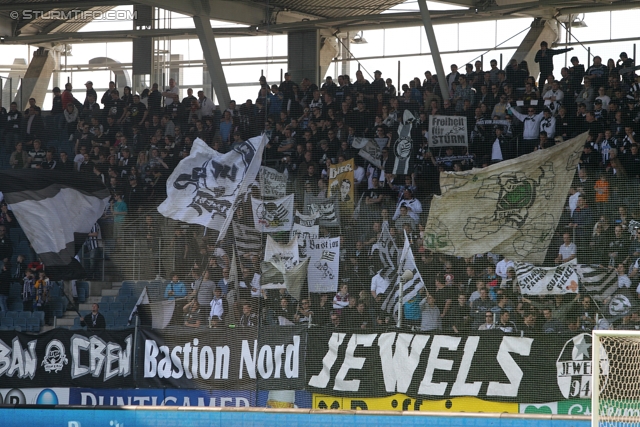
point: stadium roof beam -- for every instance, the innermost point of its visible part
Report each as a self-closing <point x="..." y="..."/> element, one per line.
<point x="48" y="5"/>
<point x="212" y="58"/>
<point x="237" y="11"/>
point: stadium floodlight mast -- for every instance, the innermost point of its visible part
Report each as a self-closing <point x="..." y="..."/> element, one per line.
<point x="615" y="393"/>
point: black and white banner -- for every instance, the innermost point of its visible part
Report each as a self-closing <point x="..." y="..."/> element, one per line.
<point x="448" y="131"/>
<point x="287" y="254"/>
<point x="270" y="216"/>
<point x="403" y="145"/>
<point x="562" y="279"/>
<point x="324" y="264"/>
<point x="369" y="150"/>
<point x="326" y="211"/>
<point x="490" y="366"/>
<point x="64" y="358"/>
<point x="306" y="220"/>
<point x="273" y="183"/>
<point x="232" y="359"/>
<point x="303" y="234"/>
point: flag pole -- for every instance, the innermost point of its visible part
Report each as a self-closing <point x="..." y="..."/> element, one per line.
<point x="400" y="303"/>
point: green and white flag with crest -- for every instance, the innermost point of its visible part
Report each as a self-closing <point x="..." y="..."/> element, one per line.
<point x="510" y="208"/>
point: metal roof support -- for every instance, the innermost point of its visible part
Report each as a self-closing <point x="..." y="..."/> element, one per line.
<point x="433" y="45"/>
<point x="212" y="58"/>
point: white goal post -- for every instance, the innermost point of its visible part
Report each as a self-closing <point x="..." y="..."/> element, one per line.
<point x="615" y="395"/>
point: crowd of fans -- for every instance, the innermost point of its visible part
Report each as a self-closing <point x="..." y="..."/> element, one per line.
<point x="133" y="142"/>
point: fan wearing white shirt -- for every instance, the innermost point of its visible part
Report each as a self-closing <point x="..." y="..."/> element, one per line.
<point x="413" y="205"/>
<point x="554" y="96"/>
<point x="531" y="131"/>
<point x="502" y="266"/>
<point x="567" y="251"/>
<point x="548" y="124"/>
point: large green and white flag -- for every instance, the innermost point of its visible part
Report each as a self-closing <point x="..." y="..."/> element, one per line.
<point x="510" y="208"/>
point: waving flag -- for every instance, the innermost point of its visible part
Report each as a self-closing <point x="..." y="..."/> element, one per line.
<point x="411" y="288"/>
<point x="511" y="208"/>
<point x="204" y="187"/>
<point x="54" y="209"/>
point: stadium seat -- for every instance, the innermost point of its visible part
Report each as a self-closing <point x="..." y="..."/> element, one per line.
<point x="16" y="306"/>
<point x="77" y="322"/>
<point x="81" y="284"/>
<point x="33" y="324"/>
<point x="55" y="290"/>
<point x="106" y="300"/>
<point x="2" y="314"/>
<point x="18" y="328"/>
<point x="20" y="321"/>
<point x="12" y="313"/>
<point x="121" y="321"/>
<point x="110" y="322"/>
<point x="4" y="328"/>
<point x="82" y="295"/>
<point x="40" y="316"/>
<point x="116" y="306"/>
<point x="24" y="314"/>
<point x="126" y="291"/>
<point x="7" y="321"/>
<point x="56" y="309"/>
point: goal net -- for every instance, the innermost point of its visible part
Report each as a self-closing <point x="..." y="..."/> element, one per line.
<point x="616" y="379"/>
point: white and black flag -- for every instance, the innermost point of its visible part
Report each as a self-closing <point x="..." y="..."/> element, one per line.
<point x="204" y="187"/>
<point x="386" y="248"/>
<point x="600" y="283"/>
<point x="56" y="210"/>
<point x="248" y="240"/>
<point x="326" y="211"/>
<point x="273" y="215"/>
<point x="411" y="287"/>
<point x="403" y="145"/>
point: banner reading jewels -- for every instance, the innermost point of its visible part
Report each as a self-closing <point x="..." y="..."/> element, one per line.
<point x="230" y="359"/>
<point x="491" y="366"/>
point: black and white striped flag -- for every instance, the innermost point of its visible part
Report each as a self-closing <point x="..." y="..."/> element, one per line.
<point x="248" y="240"/>
<point x="411" y="288"/>
<point x="328" y="255"/>
<point x="600" y="283"/>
